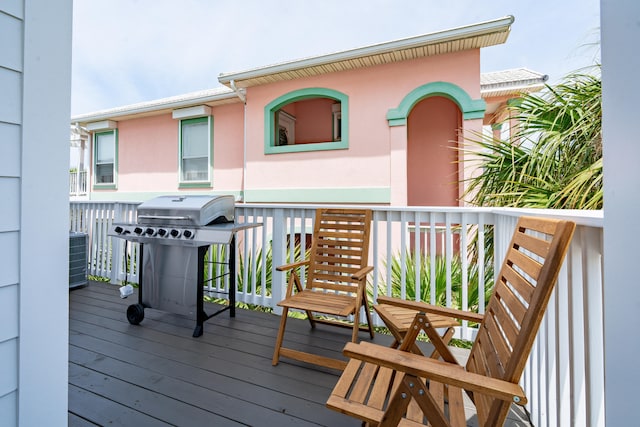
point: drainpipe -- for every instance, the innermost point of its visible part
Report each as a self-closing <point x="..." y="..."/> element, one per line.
<point x="243" y="98"/>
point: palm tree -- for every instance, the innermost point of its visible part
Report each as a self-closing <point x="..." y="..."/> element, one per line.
<point x="554" y="160"/>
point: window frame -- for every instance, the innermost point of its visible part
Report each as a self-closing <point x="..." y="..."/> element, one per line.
<point x="105" y="185"/>
<point x="206" y="183"/>
<point x="273" y="108"/>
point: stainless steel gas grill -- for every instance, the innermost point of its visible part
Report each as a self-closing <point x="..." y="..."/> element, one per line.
<point x="174" y="233"/>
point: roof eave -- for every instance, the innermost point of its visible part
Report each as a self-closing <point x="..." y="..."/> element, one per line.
<point x="155" y="107"/>
<point x="475" y="30"/>
<point x="511" y="91"/>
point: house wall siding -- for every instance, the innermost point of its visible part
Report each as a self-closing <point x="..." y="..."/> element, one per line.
<point x="367" y="163"/>
<point x="11" y="25"/>
<point x="148" y="155"/>
<point x="35" y="83"/>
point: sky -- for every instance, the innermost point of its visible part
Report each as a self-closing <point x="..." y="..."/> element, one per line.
<point x="129" y="51"/>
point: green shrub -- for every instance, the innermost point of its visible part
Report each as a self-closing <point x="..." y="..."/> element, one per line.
<point x="440" y="286"/>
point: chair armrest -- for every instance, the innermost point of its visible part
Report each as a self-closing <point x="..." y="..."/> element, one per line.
<point x="428" y="308"/>
<point x="293" y="265"/>
<point x="361" y="274"/>
<point x="425" y="367"/>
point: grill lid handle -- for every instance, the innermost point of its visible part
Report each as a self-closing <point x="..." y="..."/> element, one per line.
<point x="165" y="217"/>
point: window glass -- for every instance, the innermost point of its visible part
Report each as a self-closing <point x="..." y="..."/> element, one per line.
<point x="105" y="152"/>
<point x="195" y="145"/>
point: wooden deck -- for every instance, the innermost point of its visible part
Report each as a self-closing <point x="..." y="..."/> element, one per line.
<point x="156" y="374"/>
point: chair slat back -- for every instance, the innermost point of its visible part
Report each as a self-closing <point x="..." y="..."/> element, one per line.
<point x="340" y="248"/>
<point x="514" y="312"/>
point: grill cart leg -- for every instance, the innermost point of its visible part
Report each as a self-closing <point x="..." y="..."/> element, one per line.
<point x="232" y="276"/>
<point x="135" y="312"/>
<point x="201" y="316"/>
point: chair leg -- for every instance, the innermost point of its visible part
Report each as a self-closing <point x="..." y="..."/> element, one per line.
<point x="280" y="337"/>
<point x="446" y="337"/>
<point x="369" y="321"/>
<point x="356" y="326"/>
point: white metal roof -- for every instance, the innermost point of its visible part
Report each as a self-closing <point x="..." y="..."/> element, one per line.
<point x="218" y="96"/>
<point x="511" y="82"/>
<point x="473" y="36"/>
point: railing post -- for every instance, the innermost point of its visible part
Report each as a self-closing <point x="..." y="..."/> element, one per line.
<point x="279" y="252"/>
<point x="117" y="248"/>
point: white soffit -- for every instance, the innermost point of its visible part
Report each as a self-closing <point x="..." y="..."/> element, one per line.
<point x="474" y="36"/>
<point x="102" y="125"/>
<point x="191" y="112"/>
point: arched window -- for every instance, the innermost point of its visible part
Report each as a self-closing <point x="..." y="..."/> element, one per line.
<point x="310" y="119"/>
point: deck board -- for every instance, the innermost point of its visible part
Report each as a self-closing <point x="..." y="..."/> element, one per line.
<point x="157" y="374"/>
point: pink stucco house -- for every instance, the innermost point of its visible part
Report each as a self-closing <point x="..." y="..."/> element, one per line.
<point x="377" y="125"/>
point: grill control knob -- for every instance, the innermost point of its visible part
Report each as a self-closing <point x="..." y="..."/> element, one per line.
<point x="137" y="230"/>
<point x="188" y="234"/>
<point x="118" y="230"/>
<point x="175" y="233"/>
<point x="162" y="232"/>
<point x="149" y="231"/>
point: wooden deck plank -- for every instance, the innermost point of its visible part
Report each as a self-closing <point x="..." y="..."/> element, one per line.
<point x="145" y="375"/>
<point x="137" y="396"/>
<point x="76" y="421"/>
<point x="223" y="342"/>
<point x="228" y="394"/>
<point x="226" y="373"/>
<point x="103" y="411"/>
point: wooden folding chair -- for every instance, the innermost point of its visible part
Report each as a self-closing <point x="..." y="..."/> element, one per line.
<point x="336" y="280"/>
<point x="388" y="387"/>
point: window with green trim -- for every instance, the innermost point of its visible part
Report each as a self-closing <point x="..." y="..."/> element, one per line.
<point x="195" y="150"/>
<point x="307" y="120"/>
<point x="105" y="150"/>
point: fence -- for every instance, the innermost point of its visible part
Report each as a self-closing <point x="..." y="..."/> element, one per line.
<point x="564" y="378"/>
<point x="78" y="183"/>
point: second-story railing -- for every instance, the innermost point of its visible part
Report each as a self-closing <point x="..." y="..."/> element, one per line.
<point x="441" y="255"/>
<point x="77" y="183"/>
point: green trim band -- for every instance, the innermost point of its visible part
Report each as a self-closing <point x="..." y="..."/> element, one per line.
<point x="471" y="108"/>
<point x="195" y="185"/>
<point x="297" y="95"/>
<point x="320" y="195"/>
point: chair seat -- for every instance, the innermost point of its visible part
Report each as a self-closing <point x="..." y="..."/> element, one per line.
<point x="400" y="318"/>
<point x="335" y="304"/>
<point x="367" y="391"/>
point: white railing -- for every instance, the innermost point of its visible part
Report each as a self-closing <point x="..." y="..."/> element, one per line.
<point x="78" y="183"/>
<point x="564" y="378"/>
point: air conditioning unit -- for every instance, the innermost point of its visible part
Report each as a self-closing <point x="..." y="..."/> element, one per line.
<point x="77" y="260"/>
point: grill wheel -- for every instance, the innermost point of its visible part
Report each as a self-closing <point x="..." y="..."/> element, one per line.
<point x="135" y="314"/>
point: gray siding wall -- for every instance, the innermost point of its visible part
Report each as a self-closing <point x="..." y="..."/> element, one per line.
<point x="620" y="32"/>
<point x="35" y="86"/>
<point x="11" y="54"/>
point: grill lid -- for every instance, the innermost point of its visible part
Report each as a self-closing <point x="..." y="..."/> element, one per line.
<point x="196" y="210"/>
